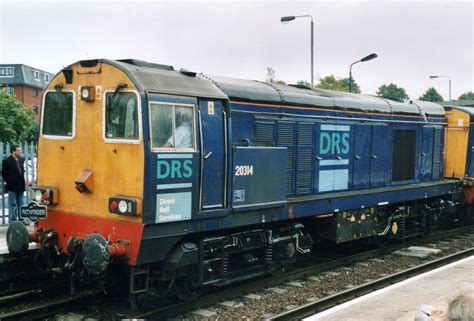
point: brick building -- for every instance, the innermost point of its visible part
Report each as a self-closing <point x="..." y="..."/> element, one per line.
<point x="25" y="83"/>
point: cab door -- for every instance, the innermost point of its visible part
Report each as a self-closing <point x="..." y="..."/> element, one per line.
<point x="213" y="132"/>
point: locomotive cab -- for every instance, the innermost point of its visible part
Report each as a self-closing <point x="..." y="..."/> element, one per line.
<point x="459" y="155"/>
<point x="91" y="131"/>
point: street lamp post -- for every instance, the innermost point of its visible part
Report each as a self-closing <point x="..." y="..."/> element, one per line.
<point x="290" y="18"/>
<point x="366" y="58"/>
<point x="433" y="77"/>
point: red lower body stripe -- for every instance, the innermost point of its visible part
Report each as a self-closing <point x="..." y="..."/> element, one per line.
<point x="67" y="224"/>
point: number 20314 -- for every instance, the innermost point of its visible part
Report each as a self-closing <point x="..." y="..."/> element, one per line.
<point x="243" y="170"/>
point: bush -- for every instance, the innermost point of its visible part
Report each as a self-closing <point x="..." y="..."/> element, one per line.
<point x="17" y="123"/>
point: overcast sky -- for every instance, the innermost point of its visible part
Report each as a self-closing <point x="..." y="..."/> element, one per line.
<point x="241" y="39"/>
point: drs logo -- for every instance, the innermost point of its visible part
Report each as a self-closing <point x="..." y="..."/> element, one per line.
<point x="174" y="168"/>
<point x="334" y="139"/>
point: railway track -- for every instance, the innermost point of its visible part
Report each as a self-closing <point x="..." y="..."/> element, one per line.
<point x="339" y="298"/>
<point x="26" y="293"/>
<point x="47" y="306"/>
<point x="43" y="308"/>
<point x="257" y="285"/>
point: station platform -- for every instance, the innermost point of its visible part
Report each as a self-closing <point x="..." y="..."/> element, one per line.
<point x="3" y="241"/>
<point x="401" y="301"/>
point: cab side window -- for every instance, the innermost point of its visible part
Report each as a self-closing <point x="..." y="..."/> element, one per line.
<point x="172" y="126"/>
<point x="121" y="116"/>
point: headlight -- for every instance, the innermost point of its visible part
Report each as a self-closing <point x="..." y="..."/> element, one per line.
<point x="122" y="206"/>
<point x="38" y="195"/>
<point x="87" y="93"/>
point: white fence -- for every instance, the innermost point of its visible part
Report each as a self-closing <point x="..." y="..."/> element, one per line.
<point x="29" y="153"/>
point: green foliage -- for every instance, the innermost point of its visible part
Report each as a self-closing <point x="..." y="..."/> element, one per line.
<point x="338" y="84"/>
<point x="17" y="123"/>
<point x="393" y="92"/>
<point x="431" y="95"/>
<point x="304" y="83"/>
<point x="467" y="96"/>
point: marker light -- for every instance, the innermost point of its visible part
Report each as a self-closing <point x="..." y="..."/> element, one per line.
<point x="113" y="206"/>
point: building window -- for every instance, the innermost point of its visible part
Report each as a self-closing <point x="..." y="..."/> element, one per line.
<point x="34" y="92"/>
<point x="36" y="74"/>
<point x="10" y="90"/>
<point x="7" y="71"/>
<point x="46" y="78"/>
<point x="404" y="148"/>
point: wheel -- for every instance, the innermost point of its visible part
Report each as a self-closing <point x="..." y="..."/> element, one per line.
<point x="187" y="289"/>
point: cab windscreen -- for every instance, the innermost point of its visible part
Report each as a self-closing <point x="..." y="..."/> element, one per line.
<point x="121" y="116"/>
<point x="58" y="113"/>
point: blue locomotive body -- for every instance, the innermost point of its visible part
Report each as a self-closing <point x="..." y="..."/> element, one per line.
<point x="268" y="154"/>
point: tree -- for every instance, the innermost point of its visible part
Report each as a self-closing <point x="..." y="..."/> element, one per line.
<point x="393" y="92"/>
<point x="338" y="84"/>
<point x="431" y="95"/>
<point x="270" y="77"/>
<point x="17" y="123"/>
<point x="467" y="96"/>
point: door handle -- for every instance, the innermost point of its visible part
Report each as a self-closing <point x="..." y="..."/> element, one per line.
<point x="318" y="158"/>
<point x="339" y="157"/>
<point x="207" y="155"/>
<point x="423" y="154"/>
<point x="374" y="156"/>
<point x="357" y="157"/>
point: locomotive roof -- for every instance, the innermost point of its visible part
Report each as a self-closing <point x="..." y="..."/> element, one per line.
<point x="165" y="79"/>
<point x="253" y="90"/>
<point x="162" y="78"/>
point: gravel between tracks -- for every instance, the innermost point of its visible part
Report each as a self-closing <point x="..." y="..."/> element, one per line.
<point x="324" y="284"/>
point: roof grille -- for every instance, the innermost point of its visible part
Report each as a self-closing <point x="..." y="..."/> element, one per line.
<point x="141" y="63"/>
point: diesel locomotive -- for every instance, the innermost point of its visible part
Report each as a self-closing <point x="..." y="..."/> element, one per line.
<point x="182" y="180"/>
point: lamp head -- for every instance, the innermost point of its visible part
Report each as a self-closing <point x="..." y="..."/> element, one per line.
<point x="287" y="18"/>
<point x="369" y="57"/>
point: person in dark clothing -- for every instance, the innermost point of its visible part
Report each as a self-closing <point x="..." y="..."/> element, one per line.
<point x="13" y="174"/>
